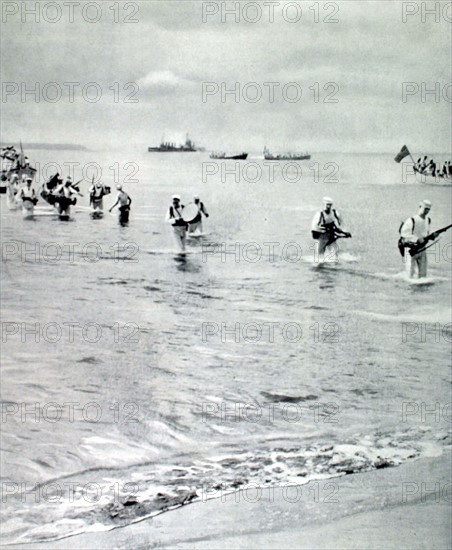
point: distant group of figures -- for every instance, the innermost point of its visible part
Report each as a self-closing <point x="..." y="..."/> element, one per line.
<point x="18" y="160"/>
<point x="60" y="194"/>
<point x="423" y="166"/>
<point x="17" y="182"/>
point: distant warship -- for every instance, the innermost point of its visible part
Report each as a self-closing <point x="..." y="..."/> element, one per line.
<point x="168" y="147"/>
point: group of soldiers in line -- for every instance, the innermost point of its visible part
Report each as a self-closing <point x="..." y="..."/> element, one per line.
<point x="60" y="194"/>
<point x="54" y="189"/>
<point x="55" y="192"/>
<point x="326" y="225"/>
<point x="326" y="229"/>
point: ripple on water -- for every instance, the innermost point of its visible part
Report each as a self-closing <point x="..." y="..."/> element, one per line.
<point x="282" y="398"/>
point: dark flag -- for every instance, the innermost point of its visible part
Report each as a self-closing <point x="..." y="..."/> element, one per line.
<point x="403" y="153"/>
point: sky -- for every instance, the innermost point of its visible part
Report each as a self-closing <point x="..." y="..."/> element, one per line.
<point x="349" y="60"/>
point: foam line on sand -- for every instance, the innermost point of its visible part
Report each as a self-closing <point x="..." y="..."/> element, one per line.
<point x="404" y="507"/>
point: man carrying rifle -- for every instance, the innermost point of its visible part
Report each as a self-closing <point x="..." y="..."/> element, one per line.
<point x="326" y="229"/>
<point x="414" y="232"/>
<point x="414" y="240"/>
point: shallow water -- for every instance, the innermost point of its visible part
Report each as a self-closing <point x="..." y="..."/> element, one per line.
<point x="242" y="361"/>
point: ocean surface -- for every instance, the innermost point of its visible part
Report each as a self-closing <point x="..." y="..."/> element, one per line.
<point x="136" y="379"/>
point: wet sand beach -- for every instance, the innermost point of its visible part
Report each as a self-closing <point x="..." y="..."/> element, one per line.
<point x="394" y="508"/>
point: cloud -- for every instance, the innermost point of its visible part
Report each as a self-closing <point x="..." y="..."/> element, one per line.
<point x="170" y="52"/>
<point x="165" y="82"/>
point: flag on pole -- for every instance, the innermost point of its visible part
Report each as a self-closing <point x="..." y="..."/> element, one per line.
<point x="404" y="152"/>
<point x="22" y="156"/>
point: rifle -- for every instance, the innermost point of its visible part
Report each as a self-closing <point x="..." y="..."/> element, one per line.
<point x="91" y="195"/>
<point x="417" y="248"/>
<point x="335" y="233"/>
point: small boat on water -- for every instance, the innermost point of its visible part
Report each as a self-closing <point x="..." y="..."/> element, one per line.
<point x="223" y="156"/>
<point x="430" y="173"/>
<point x="15" y="168"/>
<point x="438" y="179"/>
<point x="285" y="156"/>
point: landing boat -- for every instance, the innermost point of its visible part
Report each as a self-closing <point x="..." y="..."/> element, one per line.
<point x="223" y="156"/>
<point x="429" y="179"/>
<point x="285" y="156"/>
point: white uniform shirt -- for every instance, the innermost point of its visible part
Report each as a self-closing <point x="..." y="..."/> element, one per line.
<point x="27" y="193"/>
<point x="322" y="218"/>
<point x="421" y="229"/>
<point x="174" y="214"/>
<point x="66" y="190"/>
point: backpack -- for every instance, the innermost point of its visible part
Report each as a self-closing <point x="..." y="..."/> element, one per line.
<point x="94" y="193"/>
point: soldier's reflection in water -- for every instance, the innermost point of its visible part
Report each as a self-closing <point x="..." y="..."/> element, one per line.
<point x="186" y="262"/>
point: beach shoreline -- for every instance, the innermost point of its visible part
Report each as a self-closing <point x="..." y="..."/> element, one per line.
<point x="396" y="507"/>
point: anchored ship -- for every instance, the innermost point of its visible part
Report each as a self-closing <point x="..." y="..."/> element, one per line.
<point x="285" y="156"/>
<point x="168" y="147"/>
